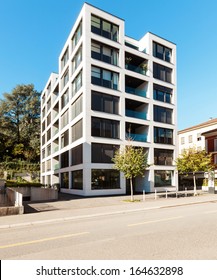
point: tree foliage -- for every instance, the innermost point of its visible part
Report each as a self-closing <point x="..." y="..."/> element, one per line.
<point x="192" y="161"/>
<point x="20" y="124"/>
<point x="132" y="161"/>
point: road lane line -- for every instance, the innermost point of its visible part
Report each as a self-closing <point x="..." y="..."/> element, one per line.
<point x="155" y="221"/>
<point x="42" y="240"/>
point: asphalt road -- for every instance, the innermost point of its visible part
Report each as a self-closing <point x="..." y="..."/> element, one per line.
<point x="184" y="232"/>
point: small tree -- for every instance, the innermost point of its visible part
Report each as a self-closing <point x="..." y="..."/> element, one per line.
<point x="192" y="161"/>
<point x="132" y="161"/>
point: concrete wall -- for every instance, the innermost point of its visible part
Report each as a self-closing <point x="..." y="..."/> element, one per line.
<point x="38" y="194"/>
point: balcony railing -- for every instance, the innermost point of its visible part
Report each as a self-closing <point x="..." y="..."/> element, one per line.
<point x="135" y="91"/>
<point x="135" y="114"/>
<point x="135" y="68"/>
<point x="137" y="137"/>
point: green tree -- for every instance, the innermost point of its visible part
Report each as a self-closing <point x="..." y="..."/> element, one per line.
<point x="193" y="161"/>
<point x="20" y="123"/>
<point x="132" y="161"/>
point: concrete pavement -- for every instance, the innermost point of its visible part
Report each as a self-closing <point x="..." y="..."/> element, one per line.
<point x="71" y="208"/>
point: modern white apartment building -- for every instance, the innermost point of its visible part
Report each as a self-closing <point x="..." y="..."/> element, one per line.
<point x="192" y="137"/>
<point x="109" y="87"/>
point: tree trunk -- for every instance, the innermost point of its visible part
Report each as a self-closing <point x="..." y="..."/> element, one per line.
<point x="131" y="188"/>
<point x="195" y="186"/>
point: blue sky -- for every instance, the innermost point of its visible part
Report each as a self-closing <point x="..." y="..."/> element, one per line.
<point x="33" y="32"/>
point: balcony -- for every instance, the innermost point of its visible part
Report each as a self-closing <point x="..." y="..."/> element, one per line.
<point x="135" y="91"/>
<point x="136" y="86"/>
<point x="136" y="132"/>
<point x="134" y="114"/>
<point x="137" y="137"/>
<point x="136" y="109"/>
<point x="136" y="63"/>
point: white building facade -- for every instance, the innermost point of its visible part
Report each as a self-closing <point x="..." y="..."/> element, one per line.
<point x="192" y="137"/>
<point x="109" y="87"/>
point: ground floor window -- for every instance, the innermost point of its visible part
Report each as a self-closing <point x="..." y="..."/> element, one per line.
<point x="105" y="179"/>
<point x="64" y="180"/>
<point x="162" y="178"/>
<point x="77" y="179"/>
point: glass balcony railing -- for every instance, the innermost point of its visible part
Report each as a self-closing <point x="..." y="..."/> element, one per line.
<point x="135" y="91"/>
<point x="56" y="166"/>
<point x="137" y="137"/>
<point x="56" y="149"/>
<point x="135" y="114"/>
<point x="135" y="68"/>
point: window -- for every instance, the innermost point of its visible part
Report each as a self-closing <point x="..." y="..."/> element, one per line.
<point x="65" y="119"/>
<point x="48" y="134"/>
<point x="163" y="94"/>
<point x="103" y="153"/>
<point x="48" y="119"/>
<point x="48" y="150"/>
<point x="77" y="60"/>
<point x="163" y="135"/>
<point x="77" y="83"/>
<point x="65" y="159"/>
<point x="163" y="157"/>
<point x="65" y="58"/>
<point x="162" y="73"/>
<point x="77" y="131"/>
<point x="65" y="139"/>
<point x="105" y="128"/>
<point x="65" y="78"/>
<point x="190" y="139"/>
<point x="198" y="136"/>
<point x="104" y="53"/>
<point x="182" y="140"/>
<point x="162" y="178"/>
<point x="77" y="155"/>
<point x="162" y="52"/>
<point x="43" y="126"/>
<point x="77" y="179"/>
<point x="65" y="99"/>
<point x="64" y="180"/>
<point x="77" y="107"/>
<point x="105" y="103"/>
<point x="162" y="114"/>
<point x="104" y="28"/>
<point x="105" y="78"/>
<point x="105" y="179"/>
<point x="77" y="36"/>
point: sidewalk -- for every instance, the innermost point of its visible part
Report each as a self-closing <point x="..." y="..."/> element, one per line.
<point x="72" y="208"/>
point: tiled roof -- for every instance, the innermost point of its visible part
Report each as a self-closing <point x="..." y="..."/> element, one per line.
<point x="205" y="124"/>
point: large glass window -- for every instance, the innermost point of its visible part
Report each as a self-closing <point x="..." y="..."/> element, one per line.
<point x="104" y="53"/>
<point x="65" y="159"/>
<point x="65" y="58"/>
<point x="77" y="60"/>
<point x="105" y="128"/>
<point x="64" y="180"/>
<point x="105" y="78"/>
<point x="105" y="102"/>
<point x="65" y="78"/>
<point x="104" y="28"/>
<point x="77" y="155"/>
<point x="77" y="130"/>
<point x="162" y="72"/>
<point x="64" y="118"/>
<point x="77" y="36"/>
<point x="162" y="178"/>
<point x="163" y="94"/>
<point x="163" y="157"/>
<point x="65" y="99"/>
<point x="105" y="179"/>
<point x="77" y="179"/>
<point x="77" y="83"/>
<point x="77" y="107"/>
<point x="162" y="52"/>
<point x="103" y="153"/>
<point x="162" y="114"/>
<point x="163" y="135"/>
<point x="65" y="139"/>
